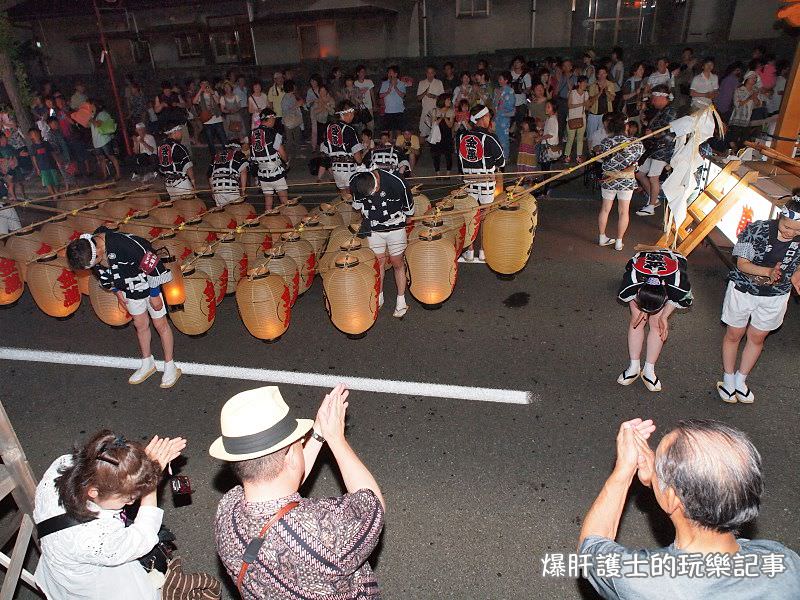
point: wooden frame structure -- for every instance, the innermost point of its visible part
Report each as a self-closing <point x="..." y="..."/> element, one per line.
<point x="706" y="211"/>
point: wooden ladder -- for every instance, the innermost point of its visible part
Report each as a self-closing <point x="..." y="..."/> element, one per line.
<point x="706" y="211"/>
<point x="16" y="478"/>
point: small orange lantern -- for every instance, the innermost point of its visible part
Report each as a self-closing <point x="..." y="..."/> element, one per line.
<point x="53" y="286"/>
<point x="351" y="291"/>
<point x="508" y="234"/>
<point x="295" y="211"/>
<point x="235" y="257"/>
<point x="312" y="230"/>
<point x="303" y="254"/>
<point x="432" y="267"/>
<point x="174" y="291"/>
<point x="264" y="303"/>
<point x="197" y="313"/>
<point x="106" y="305"/>
<point x="11" y="284"/>
<point x="216" y="269"/>
<point x="277" y="262"/>
<point x="25" y="247"/>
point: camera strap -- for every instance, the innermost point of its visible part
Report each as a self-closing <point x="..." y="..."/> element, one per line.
<point x="254" y="547"/>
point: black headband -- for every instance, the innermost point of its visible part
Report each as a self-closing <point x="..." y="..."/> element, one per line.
<point x="255" y="442"/>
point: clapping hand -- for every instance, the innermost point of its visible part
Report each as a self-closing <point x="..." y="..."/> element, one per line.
<point x="775" y="274"/>
<point x="631" y="456"/>
<point x="331" y="414"/>
<point x="165" y="450"/>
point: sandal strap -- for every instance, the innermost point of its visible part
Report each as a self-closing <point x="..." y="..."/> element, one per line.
<point x="721" y="388"/>
<point x="650" y="381"/>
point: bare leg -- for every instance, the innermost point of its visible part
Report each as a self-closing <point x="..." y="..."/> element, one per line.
<point x="752" y="349"/>
<point x="381" y="264"/>
<point x="268" y="198"/>
<point x="399" y="273"/>
<point x="654" y="343"/>
<point x="730" y="347"/>
<point x="623" y="217"/>
<point x="142" y="324"/>
<point x="635" y="334"/>
<point x="283" y="196"/>
<point x="165" y="332"/>
<point x="655" y="190"/>
<point x="602" y="218"/>
<point x="644" y="181"/>
<point x="115" y="162"/>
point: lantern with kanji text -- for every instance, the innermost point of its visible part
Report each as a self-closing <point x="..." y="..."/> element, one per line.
<point x="264" y="303"/>
<point x="53" y="286"/>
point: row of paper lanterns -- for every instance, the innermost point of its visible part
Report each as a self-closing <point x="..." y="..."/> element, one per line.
<point x="266" y="270"/>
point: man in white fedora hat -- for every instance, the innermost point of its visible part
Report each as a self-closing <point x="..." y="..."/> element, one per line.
<point x="273" y="542"/>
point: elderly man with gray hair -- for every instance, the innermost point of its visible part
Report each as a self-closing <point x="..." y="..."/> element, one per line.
<point x="707" y="477"/>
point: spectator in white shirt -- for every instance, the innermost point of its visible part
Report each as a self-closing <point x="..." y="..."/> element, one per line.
<point x="705" y="86"/>
<point x="617" y="73"/>
<point x="144" y="151"/>
<point x="661" y="76"/>
<point x="366" y="87"/>
<point x="428" y="91"/>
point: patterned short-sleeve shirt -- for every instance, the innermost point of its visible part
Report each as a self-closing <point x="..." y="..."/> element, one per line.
<point x="620" y="161"/>
<point x="319" y="550"/>
<point x="756" y="244"/>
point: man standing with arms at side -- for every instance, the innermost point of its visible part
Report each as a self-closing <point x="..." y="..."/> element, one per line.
<point x="427" y="91"/>
<point x="175" y="164"/>
<point x="343" y="146"/>
<point x="392" y="93"/>
<point x="481" y="157"/>
<point x="273" y="542"/>
<point x="268" y="156"/>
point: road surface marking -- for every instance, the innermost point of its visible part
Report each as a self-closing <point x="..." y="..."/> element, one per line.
<point x="384" y="386"/>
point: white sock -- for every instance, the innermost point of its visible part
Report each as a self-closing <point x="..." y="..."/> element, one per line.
<point x="380" y="299"/>
<point x="649" y="370"/>
<point x="469" y="254"/>
<point x="618" y="245"/>
<point x="740" y="381"/>
<point x="169" y="366"/>
<point x="633" y="368"/>
<point x="148" y="362"/>
<point x="729" y="381"/>
<point x="401" y="301"/>
<point x="481" y="255"/>
<point x="603" y="238"/>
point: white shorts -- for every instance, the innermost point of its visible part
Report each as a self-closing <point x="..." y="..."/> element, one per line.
<point x="342" y="174"/>
<point x="392" y="242"/>
<point x="622" y="195"/>
<point x="180" y="189"/>
<point x="142" y="305"/>
<point x="271" y="187"/>
<point x="223" y="198"/>
<point x="652" y="168"/>
<point x="482" y="192"/>
<point x="765" y="313"/>
<point x="9" y="220"/>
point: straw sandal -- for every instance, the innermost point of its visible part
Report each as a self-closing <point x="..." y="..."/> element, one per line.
<point x="178" y="374"/>
<point x="142" y="378"/>
<point x="725" y="395"/>
<point x="624" y="379"/>
<point x="652" y="385"/>
<point x="745" y="397"/>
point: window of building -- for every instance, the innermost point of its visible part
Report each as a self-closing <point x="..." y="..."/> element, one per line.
<point x="318" y="40"/>
<point x="189" y="45"/>
<point x="472" y="8"/>
<point x="230" y="39"/>
<point x="618" y="22"/>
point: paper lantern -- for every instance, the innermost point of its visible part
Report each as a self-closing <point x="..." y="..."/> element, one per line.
<point x="241" y="211"/>
<point x="197" y="313"/>
<point x="53" y="286"/>
<point x="11" y="284"/>
<point x="141" y="226"/>
<point x="463" y="201"/>
<point x="219" y="219"/>
<point x="82" y="276"/>
<point x="433" y="221"/>
<point x="432" y="267"/>
<point x="106" y="305"/>
<point x="59" y="233"/>
<point x="177" y="248"/>
<point x="422" y="205"/>
<point x="507" y="238"/>
<point x="275" y="220"/>
<point x="351" y="292"/>
<point x="189" y="207"/>
<point x="167" y="214"/>
<point x="359" y="249"/>
<point x="71" y="203"/>
<point x="117" y="209"/>
<point x="25" y="247"/>
<point x="196" y="239"/>
<point x="312" y="230"/>
<point x="143" y="201"/>
<point x="344" y="206"/>
<point x="174" y="291"/>
<point x="216" y="269"/>
<point x="235" y="257"/>
<point x="255" y="239"/>
<point x="328" y="215"/>
<point x="264" y="302"/>
<point x="293" y="210"/>
<point x="525" y="199"/>
<point x="445" y="209"/>
<point x="88" y="223"/>
<point x="303" y="254"/>
<point x="277" y="262"/>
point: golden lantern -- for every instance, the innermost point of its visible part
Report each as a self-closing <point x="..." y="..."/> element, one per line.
<point x="351" y="292"/>
<point x="106" y="305"/>
<point x="59" y="233"/>
<point x="235" y="257"/>
<point x="219" y="219"/>
<point x="264" y="302"/>
<point x="117" y="209"/>
<point x="255" y="239"/>
<point x="278" y="263"/>
<point x="53" y="286"/>
<point x="174" y="291"/>
<point x="241" y="211"/>
<point x="274" y="220"/>
<point x="11" y="284"/>
<point x="344" y="206"/>
<point x="432" y="265"/>
<point x="354" y="247"/>
<point x="189" y="207"/>
<point x="25" y="247"/>
<point x="82" y="276"/>
<point x="140" y="226"/>
<point x="216" y="269"/>
<point x="71" y="203"/>
<point x="303" y="254"/>
<point x="197" y="313"/>
<point x="445" y="209"/>
<point x="195" y="238"/>
<point x="508" y="233"/>
<point x="422" y="205"/>
<point x="167" y="214"/>
<point x="328" y="215"/>
<point x="312" y="230"/>
<point x="293" y="210"/>
<point x="462" y="201"/>
<point x="143" y="201"/>
<point x="337" y="237"/>
<point x="177" y="248"/>
<point x="436" y="222"/>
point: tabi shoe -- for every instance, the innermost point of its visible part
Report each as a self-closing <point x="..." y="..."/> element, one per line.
<point x="400" y="311"/>
<point x="170" y="377"/>
<point x="380" y="301"/>
<point x="650" y="384"/>
<point x="467" y="256"/>
<point x="142" y="373"/>
<point x="648" y="210"/>
<point x="747" y="397"/>
<point x="618" y="245"/>
<point x="725" y="395"/>
<point x="624" y="379"/>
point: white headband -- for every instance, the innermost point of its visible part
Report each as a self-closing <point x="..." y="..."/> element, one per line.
<point x="345" y="111"/>
<point x="173" y="129"/>
<point x="790" y="214"/>
<point x="479" y="115"/>
<point x="653" y="281"/>
<point x="663" y="94"/>
<point x="88" y="238"/>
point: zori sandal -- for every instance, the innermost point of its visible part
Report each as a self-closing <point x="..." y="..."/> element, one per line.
<point x="654" y="385"/>
<point x="625" y="379"/>
<point x="745" y="397"/>
<point x="725" y="395"/>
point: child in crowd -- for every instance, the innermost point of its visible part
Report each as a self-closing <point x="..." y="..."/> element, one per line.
<point x="44" y="160"/>
<point x="655" y="283"/>
<point x="462" y="116"/>
<point x="409" y="142"/>
<point x="366" y="140"/>
<point x="9" y="169"/>
<point x="526" y="156"/>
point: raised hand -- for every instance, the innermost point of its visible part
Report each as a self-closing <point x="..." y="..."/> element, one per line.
<point x="332" y="413"/>
<point x="165" y="450"/>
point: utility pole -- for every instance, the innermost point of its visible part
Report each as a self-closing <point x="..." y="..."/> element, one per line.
<point x="9" y="79"/>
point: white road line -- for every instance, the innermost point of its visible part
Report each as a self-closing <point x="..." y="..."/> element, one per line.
<point x="385" y="386"/>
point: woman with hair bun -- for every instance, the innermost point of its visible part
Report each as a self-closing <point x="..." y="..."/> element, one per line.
<point x="655" y="283"/>
<point x="88" y="553"/>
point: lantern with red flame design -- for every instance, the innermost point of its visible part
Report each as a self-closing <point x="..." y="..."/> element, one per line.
<point x="303" y="254"/>
<point x="278" y="263"/>
<point x="312" y="230"/>
<point x="232" y="252"/>
<point x="196" y="239"/>
<point x="167" y="214"/>
<point x="25" y="247"/>
<point x="292" y="209"/>
<point x="462" y="201"/>
<point x="189" y="208"/>
<point x="218" y="218"/>
<point x="11" y="284"/>
<point x="136" y="226"/>
<point x="59" y="233"/>
<point x="106" y="305"/>
<point x="354" y="247"/>
<point x="216" y="269"/>
<point x="256" y="240"/>
<point x="275" y="220"/>
<point x="351" y="295"/>
<point x="240" y="211"/>
<point x="197" y="313"/>
<point x="264" y="302"/>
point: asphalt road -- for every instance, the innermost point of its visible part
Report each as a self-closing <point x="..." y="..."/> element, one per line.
<point x="477" y="492"/>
